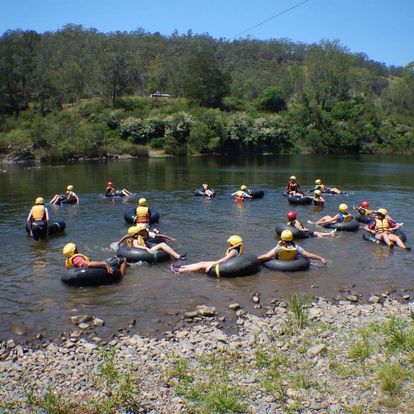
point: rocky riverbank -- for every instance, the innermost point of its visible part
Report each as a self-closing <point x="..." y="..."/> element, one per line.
<point x="314" y="357"/>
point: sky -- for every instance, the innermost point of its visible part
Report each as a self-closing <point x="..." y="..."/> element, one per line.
<point x="383" y="30"/>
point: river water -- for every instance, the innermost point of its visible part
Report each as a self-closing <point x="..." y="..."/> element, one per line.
<point x="33" y="299"/>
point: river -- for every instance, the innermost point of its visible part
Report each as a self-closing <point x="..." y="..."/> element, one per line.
<point x="33" y="299"/>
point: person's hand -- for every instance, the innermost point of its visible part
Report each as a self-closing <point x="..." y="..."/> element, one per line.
<point x="173" y="240"/>
<point x="324" y="261"/>
<point x="208" y="268"/>
<point x="109" y="268"/>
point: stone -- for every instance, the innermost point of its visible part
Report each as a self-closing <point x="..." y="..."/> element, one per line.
<point x="205" y="310"/>
<point x="190" y="315"/>
<point x="374" y="299"/>
<point x="283" y="305"/>
<point x="234" y="306"/>
<point x="182" y="334"/>
<point x="406" y="297"/>
<point x="98" y="322"/>
<point x="10" y="343"/>
<point x="352" y="298"/>
<point x="241" y="313"/>
<point x="256" y="299"/>
<point x="83" y="325"/>
<point x="315" y="350"/>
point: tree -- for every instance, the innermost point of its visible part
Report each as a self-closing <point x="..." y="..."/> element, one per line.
<point x="205" y="82"/>
<point x="272" y="100"/>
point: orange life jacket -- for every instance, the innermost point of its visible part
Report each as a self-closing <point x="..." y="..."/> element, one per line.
<point x="287" y="252"/>
<point x="38" y="212"/>
<point x="382" y="225"/>
<point x="142" y="214"/>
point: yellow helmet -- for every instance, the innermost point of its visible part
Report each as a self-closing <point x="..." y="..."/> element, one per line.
<point x="293" y="178"/>
<point x="382" y="211"/>
<point x="139" y="227"/>
<point x="69" y="188"/>
<point x="204" y="185"/>
<point x="40" y="200"/>
<point x="132" y="231"/>
<point x="142" y="202"/>
<point x="317" y="192"/>
<point x="318" y="181"/>
<point x="235" y="240"/>
<point x="286" y="235"/>
<point x="343" y="207"/>
<point x="243" y="187"/>
<point x="69" y="249"/>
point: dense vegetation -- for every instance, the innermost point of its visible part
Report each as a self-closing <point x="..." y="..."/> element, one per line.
<point x="79" y="92"/>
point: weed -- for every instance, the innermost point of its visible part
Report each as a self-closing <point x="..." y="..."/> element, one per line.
<point x="298" y="313"/>
<point x="398" y="335"/>
<point x="362" y="348"/>
<point x="392" y="377"/>
<point x="302" y="380"/>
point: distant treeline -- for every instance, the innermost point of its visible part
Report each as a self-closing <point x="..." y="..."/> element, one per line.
<point x="78" y="92"/>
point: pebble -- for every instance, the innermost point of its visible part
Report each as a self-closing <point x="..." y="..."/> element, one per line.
<point x="374" y="299"/>
<point x="205" y="310"/>
<point x="315" y="350"/>
<point x="234" y="306"/>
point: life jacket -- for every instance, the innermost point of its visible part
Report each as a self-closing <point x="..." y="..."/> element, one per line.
<point x="364" y="211"/>
<point x="292" y="186"/>
<point x="382" y="225"/>
<point x="239" y="249"/>
<point x="142" y="214"/>
<point x="110" y="190"/>
<point x="344" y="217"/>
<point x="321" y="187"/>
<point x="38" y="212"/>
<point x="287" y="252"/>
<point x="293" y="223"/>
<point x="69" y="261"/>
<point x="69" y="195"/>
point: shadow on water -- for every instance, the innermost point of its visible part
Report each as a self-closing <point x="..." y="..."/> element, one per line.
<point x="33" y="299"/>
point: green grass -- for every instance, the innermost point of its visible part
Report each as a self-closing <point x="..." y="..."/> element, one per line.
<point x="362" y="348"/>
<point x="298" y="317"/>
<point x="398" y="335"/>
<point x="392" y="377"/>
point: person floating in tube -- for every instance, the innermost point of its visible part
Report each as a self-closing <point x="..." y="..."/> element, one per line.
<point x="140" y="236"/>
<point x="382" y="227"/>
<point x="76" y="260"/>
<point x="235" y="249"/>
<point x="241" y="195"/>
<point x="111" y="190"/>
<point x="363" y="209"/>
<point x="319" y="185"/>
<point x="128" y="239"/>
<point x="207" y="190"/>
<point x="318" y="200"/>
<point x="293" y="187"/>
<point x="38" y="213"/>
<point x="286" y="249"/>
<point x="342" y="217"/>
<point x="294" y="222"/>
<point x="143" y="213"/>
<point x="69" y="195"/>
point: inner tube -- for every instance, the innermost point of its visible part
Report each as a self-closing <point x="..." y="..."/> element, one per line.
<point x="364" y="219"/>
<point x="64" y="200"/>
<point x="39" y="228"/>
<point x="201" y="193"/>
<point x="352" y="225"/>
<point x="90" y="276"/>
<point x="301" y="263"/>
<point x="117" y="193"/>
<point x="370" y="237"/>
<point x="297" y="234"/>
<point x="129" y="216"/>
<point x="244" y="265"/>
<point x="299" y="200"/>
<point x="255" y="193"/>
<point x="134" y="255"/>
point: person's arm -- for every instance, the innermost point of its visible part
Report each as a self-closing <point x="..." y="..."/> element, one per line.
<point x="334" y="218"/>
<point x="123" y="238"/>
<point x="246" y="195"/>
<point x="77" y="198"/>
<point x="268" y="255"/>
<point x="164" y="236"/>
<point x="99" y="264"/>
<point x="29" y="222"/>
<point x="370" y="228"/>
<point x="313" y="256"/>
<point x="233" y="194"/>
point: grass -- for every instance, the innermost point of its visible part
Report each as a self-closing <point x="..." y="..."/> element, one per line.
<point x="399" y="335"/>
<point x="212" y="390"/>
<point x="362" y="348"/>
<point x="392" y="377"/>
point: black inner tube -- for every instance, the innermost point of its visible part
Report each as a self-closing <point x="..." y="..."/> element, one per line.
<point x="300" y="200"/>
<point x="129" y="216"/>
<point x="244" y="265"/>
<point x="134" y="255"/>
<point x="301" y="263"/>
<point x="90" y="276"/>
<point x="351" y="225"/>
<point x="371" y="237"/>
<point x="201" y="193"/>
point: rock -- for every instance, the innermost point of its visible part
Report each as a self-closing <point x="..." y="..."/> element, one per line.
<point x="315" y="350"/>
<point x="374" y="299"/>
<point x="89" y="346"/>
<point x="83" y="326"/>
<point x="205" y="310"/>
<point x="98" y="322"/>
<point x="283" y="305"/>
<point x="411" y="309"/>
<point x="241" y="313"/>
<point x="190" y="315"/>
<point x="406" y="297"/>
<point x="182" y="334"/>
<point x="10" y="343"/>
<point x="292" y="393"/>
<point x="234" y="306"/>
<point x="352" y="298"/>
<point x="256" y="299"/>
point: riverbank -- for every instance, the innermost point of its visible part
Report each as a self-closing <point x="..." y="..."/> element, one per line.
<point x="309" y="358"/>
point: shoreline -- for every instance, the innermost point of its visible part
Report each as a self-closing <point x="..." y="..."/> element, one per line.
<point x="310" y="358"/>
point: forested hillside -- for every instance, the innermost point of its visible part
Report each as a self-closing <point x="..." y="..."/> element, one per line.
<point x="78" y="92"/>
